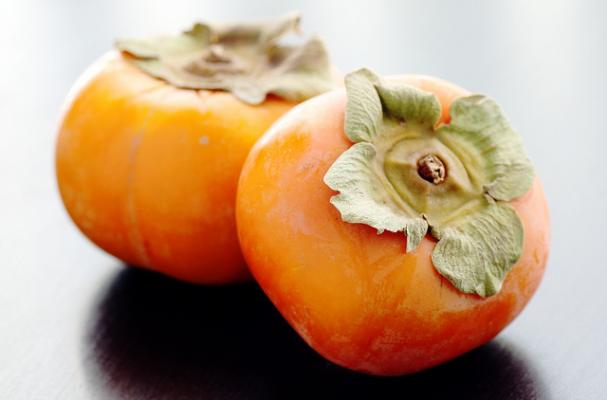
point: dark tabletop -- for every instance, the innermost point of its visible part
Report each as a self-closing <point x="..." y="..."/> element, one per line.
<point x="75" y="323"/>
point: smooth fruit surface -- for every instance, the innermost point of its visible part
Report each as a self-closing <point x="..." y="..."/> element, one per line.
<point x="149" y="172"/>
<point x="353" y="295"/>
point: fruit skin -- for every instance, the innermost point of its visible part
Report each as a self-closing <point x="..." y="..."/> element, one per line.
<point x="353" y="295"/>
<point x="149" y="172"/>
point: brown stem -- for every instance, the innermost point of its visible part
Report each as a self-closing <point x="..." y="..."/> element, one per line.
<point x="431" y="169"/>
<point x="217" y="54"/>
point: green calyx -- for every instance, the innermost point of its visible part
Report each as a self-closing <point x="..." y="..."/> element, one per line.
<point x="245" y="59"/>
<point x="407" y="173"/>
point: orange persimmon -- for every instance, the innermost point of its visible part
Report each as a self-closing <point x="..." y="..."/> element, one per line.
<point x="355" y="296"/>
<point x="151" y="142"/>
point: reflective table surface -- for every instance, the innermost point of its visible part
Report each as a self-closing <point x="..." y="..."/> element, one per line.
<point x="76" y="323"/>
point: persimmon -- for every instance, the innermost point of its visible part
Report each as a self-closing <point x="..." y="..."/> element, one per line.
<point x="395" y="224"/>
<point x="153" y="138"/>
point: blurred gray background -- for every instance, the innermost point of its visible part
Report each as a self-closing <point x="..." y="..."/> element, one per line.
<point x="545" y="62"/>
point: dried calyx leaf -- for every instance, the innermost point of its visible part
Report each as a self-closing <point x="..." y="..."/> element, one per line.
<point x="406" y="174"/>
<point x="243" y="58"/>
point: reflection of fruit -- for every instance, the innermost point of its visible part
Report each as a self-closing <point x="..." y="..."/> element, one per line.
<point x="355" y="296"/>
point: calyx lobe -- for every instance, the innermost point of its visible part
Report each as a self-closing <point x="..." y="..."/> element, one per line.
<point x="246" y="59"/>
<point x="407" y="173"/>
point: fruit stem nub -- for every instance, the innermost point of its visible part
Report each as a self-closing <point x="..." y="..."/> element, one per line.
<point x="432" y="169"/>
